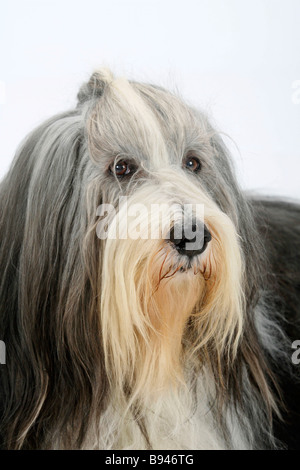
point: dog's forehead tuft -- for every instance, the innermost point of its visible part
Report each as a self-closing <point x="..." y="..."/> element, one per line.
<point x="143" y="121"/>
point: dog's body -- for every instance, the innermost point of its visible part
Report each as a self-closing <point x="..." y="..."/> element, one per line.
<point x="119" y="342"/>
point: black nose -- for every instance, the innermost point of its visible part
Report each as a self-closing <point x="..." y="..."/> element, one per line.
<point x="190" y="241"/>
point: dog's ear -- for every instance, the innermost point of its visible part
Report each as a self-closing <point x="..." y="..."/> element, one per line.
<point x="95" y="86"/>
<point x="43" y="220"/>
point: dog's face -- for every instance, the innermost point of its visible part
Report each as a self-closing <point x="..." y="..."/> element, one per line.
<point x="171" y="258"/>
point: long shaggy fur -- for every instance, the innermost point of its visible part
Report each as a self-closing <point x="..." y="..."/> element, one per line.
<point x="122" y="343"/>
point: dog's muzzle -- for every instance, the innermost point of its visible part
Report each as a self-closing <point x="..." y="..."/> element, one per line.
<point x="190" y="241"/>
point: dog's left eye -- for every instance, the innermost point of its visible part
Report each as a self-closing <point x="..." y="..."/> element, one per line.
<point x="192" y="163"/>
<point x="122" y="168"/>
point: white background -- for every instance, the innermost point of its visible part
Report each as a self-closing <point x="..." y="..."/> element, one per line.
<point x="238" y="59"/>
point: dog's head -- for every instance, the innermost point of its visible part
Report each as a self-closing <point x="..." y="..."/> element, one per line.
<point x="169" y="224"/>
<point x="134" y="257"/>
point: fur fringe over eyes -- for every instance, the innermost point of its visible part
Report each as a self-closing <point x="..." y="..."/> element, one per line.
<point x="122" y="343"/>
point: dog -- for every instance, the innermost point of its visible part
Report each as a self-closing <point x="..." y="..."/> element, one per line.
<point x="147" y="302"/>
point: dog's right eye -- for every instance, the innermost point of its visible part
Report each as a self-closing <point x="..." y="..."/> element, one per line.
<point x="122" y="168"/>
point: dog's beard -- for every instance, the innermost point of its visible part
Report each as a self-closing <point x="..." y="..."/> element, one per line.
<point x="161" y="311"/>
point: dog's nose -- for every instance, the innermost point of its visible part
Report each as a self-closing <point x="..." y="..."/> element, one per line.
<point x="192" y="241"/>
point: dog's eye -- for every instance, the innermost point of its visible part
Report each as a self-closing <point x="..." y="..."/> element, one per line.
<point x="193" y="164"/>
<point x="122" y="168"/>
